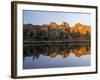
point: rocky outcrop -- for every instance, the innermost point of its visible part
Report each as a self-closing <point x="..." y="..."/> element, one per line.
<point x="54" y="31"/>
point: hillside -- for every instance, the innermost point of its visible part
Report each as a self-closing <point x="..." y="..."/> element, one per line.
<point x="56" y="32"/>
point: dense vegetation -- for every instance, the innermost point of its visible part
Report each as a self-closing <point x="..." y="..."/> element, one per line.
<point x="55" y="32"/>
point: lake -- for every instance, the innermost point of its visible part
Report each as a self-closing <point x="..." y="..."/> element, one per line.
<point x="37" y="56"/>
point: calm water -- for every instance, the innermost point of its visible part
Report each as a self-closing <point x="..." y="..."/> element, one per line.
<point x="56" y="55"/>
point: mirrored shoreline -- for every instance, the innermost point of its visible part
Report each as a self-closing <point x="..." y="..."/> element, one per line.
<point x="37" y="56"/>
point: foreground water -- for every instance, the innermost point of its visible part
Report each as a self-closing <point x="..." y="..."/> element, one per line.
<point x="37" y="56"/>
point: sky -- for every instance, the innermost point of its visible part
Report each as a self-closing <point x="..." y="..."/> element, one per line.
<point x="45" y="17"/>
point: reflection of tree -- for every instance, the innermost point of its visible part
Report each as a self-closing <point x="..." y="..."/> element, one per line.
<point x="65" y="54"/>
<point x="79" y="49"/>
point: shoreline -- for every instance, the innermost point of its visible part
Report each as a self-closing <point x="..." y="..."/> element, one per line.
<point x="56" y="42"/>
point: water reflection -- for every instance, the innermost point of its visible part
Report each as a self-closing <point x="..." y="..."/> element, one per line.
<point x="44" y="56"/>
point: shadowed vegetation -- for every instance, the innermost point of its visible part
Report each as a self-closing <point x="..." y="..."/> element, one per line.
<point x="54" y="32"/>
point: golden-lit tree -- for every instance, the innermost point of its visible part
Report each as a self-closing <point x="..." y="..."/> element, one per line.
<point x="53" y="25"/>
<point x="64" y="26"/>
<point x="83" y="29"/>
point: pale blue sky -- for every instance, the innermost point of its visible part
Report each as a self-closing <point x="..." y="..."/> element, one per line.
<point x="45" y="17"/>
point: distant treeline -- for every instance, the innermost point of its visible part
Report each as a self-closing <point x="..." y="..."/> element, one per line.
<point x="53" y="32"/>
